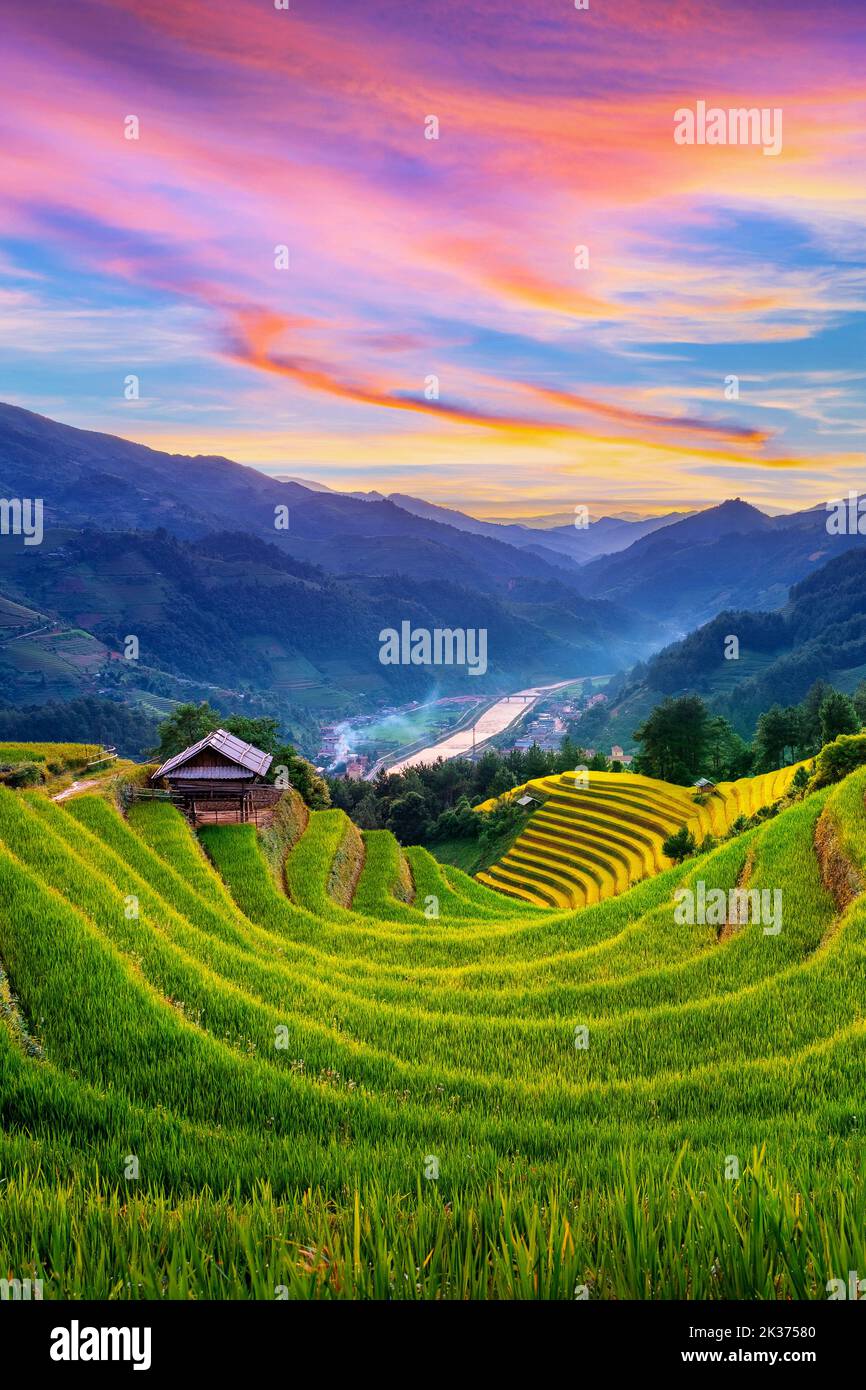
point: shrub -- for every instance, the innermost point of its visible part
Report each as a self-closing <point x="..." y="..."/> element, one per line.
<point x="408" y="819"/>
<point x="837" y="759"/>
<point x="680" y="845"/>
<point x="456" y="822"/>
<point x="27" y="774"/>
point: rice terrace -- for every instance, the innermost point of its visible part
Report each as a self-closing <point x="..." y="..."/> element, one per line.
<point x="298" y="1061"/>
<point x="432" y="685"/>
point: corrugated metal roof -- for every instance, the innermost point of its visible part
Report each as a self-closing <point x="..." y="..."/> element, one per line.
<point x="212" y="773"/>
<point x="244" y="754"/>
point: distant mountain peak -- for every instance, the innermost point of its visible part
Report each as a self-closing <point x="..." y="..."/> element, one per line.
<point x="736" y="505"/>
<point x="733" y="515"/>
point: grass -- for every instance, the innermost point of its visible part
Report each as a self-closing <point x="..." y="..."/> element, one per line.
<point x="634" y="1242"/>
<point x="69" y="755"/>
<point x="471" y="856"/>
<point x="330" y="1090"/>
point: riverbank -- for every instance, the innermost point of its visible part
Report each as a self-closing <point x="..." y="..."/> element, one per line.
<point x="498" y="717"/>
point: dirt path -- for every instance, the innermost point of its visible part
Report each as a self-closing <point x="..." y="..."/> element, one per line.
<point x="74" y="789"/>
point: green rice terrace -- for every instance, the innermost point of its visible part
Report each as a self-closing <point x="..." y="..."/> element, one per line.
<point x="302" y="1062"/>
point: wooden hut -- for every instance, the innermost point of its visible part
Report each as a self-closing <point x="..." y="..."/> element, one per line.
<point x="220" y="778"/>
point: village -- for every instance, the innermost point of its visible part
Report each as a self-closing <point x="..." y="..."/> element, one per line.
<point x="359" y="749"/>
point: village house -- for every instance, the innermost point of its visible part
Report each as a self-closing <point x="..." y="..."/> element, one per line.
<point x="220" y="778"/>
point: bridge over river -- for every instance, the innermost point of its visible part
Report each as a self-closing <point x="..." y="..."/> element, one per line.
<point x="493" y="721"/>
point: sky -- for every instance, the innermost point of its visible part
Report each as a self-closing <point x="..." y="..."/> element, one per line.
<point x="243" y="208"/>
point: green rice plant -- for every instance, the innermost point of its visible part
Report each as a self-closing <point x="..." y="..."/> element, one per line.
<point x="385" y="875"/>
<point x="325" y="858"/>
<point x="70" y="755"/>
<point x="334" y="1093"/>
<point x="164" y="830"/>
<point x="846" y="810"/>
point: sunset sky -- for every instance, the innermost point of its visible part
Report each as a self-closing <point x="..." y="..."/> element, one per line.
<point x="411" y="257"/>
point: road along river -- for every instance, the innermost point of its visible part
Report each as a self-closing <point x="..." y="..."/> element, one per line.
<point x="492" y="722"/>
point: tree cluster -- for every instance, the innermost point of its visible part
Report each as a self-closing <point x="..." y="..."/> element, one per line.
<point x="434" y="802"/>
<point x="189" y="723"/>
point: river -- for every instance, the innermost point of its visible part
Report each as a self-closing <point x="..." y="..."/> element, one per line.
<point x="492" y="722"/>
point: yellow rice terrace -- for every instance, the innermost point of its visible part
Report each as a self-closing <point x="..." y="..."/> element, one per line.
<point x="290" y="1060"/>
<point x="596" y="833"/>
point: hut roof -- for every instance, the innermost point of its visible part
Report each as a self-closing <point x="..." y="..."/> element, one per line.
<point x="210" y="772"/>
<point x="244" y="755"/>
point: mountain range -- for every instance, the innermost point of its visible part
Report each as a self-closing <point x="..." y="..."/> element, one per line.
<point x="107" y="483"/>
<point x="818" y="634"/>
<point x="573" y="539"/>
<point x="183" y="555"/>
<point x="729" y="556"/>
<point x="276" y="589"/>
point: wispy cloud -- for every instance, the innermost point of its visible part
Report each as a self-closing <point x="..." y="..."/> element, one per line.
<point x="452" y="257"/>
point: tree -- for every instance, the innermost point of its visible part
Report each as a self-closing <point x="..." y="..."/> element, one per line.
<point x="261" y="733"/>
<point x="89" y="719"/>
<point x="486" y="769"/>
<point x="728" y="757"/>
<point x="591" y="723"/>
<point x="366" y="812"/>
<point x="341" y="791"/>
<point x="189" y="723"/>
<point x="839" y="758"/>
<point x="674" y="739"/>
<point x="570" y="755"/>
<point x="680" y="845"/>
<point x="186" y="724"/>
<point x="505" y="819"/>
<point x="838" y="715"/>
<point x="308" y="783"/>
<point x="449" y="780"/>
<point x="458" y="822"/>
<point x="409" y="819"/>
<point x="777" y="737"/>
<point x="536" y="762"/>
<point x="811" y="714"/>
<point x="503" y="782"/>
<point x="859" y="701"/>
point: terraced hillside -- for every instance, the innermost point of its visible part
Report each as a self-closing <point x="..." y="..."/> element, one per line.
<point x="598" y="833"/>
<point x="256" y="1066"/>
